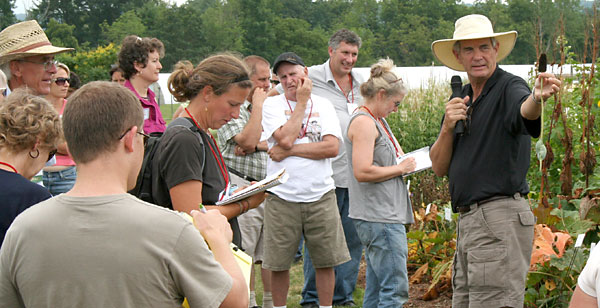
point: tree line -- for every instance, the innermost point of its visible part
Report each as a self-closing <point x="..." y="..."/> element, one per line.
<point x="399" y="29"/>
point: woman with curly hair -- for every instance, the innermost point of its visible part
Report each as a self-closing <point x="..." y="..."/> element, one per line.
<point x="188" y="168"/>
<point x="60" y="177"/>
<point x="139" y="59"/>
<point x="30" y="131"/>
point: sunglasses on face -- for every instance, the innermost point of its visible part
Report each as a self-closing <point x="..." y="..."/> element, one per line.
<point x="60" y="81"/>
<point x="3" y="91"/>
<point x="51" y="154"/>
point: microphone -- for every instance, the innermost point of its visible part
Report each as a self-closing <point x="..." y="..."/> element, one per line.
<point x="456" y="85"/>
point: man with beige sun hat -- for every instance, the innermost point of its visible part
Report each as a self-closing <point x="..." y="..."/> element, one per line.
<point x="486" y="165"/>
<point x="27" y="57"/>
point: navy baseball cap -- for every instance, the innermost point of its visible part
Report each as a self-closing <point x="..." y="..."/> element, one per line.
<point x="289" y="57"/>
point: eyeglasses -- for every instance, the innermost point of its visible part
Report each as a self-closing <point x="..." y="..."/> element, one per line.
<point x="47" y="64"/>
<point x="51" y="154"/>
<point x="146" y="136"/>
<point x="397" y="104"/>
<point x="60" y="81"/>
<point x="273" y="81"/>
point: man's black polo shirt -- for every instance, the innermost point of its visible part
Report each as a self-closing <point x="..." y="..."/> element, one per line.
<point x="492" y="157"/>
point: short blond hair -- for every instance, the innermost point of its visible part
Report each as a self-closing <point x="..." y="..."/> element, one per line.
<point x="26" y="119"/>
<point x="383" y="78"/>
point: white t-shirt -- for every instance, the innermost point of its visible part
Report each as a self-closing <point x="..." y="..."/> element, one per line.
<point x="309" y="179"/>
<point x="589" y="279"/>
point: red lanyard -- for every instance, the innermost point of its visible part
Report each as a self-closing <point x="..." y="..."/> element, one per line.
<point x="351" y="90"/>
<point x="9" y="166"/>
<point x="385" y="129"/>
<point x="219" y="159"/>
<point x="307" y="120"/>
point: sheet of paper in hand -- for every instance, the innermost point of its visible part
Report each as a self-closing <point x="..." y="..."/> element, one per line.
<point x="421" y="157"/>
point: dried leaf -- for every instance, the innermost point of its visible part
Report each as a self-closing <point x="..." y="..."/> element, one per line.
<point x="417" y="277"/>
<point x="585" y="205"/>
<point x="431" y="294"/>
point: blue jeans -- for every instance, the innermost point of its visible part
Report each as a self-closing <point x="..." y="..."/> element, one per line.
<point x="386" y="251"/>
<point x="60" y="181"/>
<point x="345" y="274"/>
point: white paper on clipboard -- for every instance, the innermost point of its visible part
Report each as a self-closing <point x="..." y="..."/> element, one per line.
<point x="270" y="181"/>
<point x="421" y="157"/>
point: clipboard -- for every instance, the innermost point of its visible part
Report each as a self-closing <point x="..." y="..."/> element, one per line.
<point x="421" y="157"/>
<point x="275" y="179"/>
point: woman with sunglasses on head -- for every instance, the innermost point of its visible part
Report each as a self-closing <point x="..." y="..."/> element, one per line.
<point x="139" y="59"/>
<point x="30" y="131"/>
<point x="60" y="177"/>
<point x="188" y="168"/>
<point x="379" y="200"/>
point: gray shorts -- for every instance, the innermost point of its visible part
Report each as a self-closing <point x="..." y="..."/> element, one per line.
<point x="319" y="221"/>
<point x="493" y="253"/>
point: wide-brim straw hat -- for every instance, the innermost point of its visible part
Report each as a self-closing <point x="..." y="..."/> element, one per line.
<point x="472" y="27"/>
<point x="25" y="39"/>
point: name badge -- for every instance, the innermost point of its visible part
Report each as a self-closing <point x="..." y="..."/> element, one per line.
<point x="146" y="113"/>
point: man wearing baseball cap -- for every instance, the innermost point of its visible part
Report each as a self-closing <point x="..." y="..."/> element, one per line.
<point x="27" y="57"/>
<point x="303" y="135"/>
<point x="487" y="164"/>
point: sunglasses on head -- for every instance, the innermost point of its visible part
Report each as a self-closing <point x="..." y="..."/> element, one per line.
<point x="51" y="154"/>
<point x="60" y="81"/>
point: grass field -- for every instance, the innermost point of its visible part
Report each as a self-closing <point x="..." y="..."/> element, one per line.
<point x="295" y="291"/>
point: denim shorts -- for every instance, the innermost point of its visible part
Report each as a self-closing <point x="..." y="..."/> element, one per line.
<point x="58" y="182"/>
<point x="493" y="253"/>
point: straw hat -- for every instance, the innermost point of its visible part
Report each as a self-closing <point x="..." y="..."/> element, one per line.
<point x="25" y="39"/>
<point x="468" y="28"/>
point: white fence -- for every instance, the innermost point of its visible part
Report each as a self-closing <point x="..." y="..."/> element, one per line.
<point x="421" y="76"/>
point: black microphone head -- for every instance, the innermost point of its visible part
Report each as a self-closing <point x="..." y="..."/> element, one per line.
<point x="542" y="63"/>
<point x="456" y="81"/>
<point x="456" y="85"/>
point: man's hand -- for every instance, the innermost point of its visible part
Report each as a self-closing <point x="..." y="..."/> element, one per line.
<point x="303" y="90"/>
<point x="278" y="153"/>
<point x="213" y="226"/>
<point x="456" y="110"/>
<point x="408" y="165"/>
<point x="238" y="151"/>
<point x="258" y="98"/>
<point x="551" y="86"/>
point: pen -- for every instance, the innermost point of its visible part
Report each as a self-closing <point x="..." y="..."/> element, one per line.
<point x="202" y="208"/>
